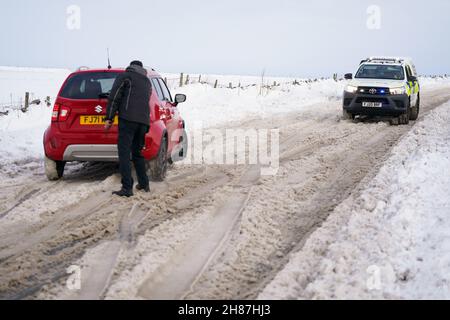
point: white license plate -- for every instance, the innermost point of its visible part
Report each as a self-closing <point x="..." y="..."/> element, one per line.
<point x="372" y="104"/>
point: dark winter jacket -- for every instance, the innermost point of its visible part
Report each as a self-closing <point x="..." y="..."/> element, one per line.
<point x="130" y="96"/>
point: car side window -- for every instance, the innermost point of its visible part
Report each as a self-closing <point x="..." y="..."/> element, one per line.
<point x="158" y="89"/>
<point x="166" y="92"/>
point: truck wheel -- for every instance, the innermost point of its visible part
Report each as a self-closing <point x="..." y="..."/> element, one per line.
<point x="395" y="121"/>
<point x="404" y="118"/>
<point x="415" y="110"/>
<point x="347" y="115"/>
<point x="54" y="170"/>
<point x="158" y="166"/>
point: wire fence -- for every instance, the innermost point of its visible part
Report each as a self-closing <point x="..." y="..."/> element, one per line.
<point x="186" y="79"/>
<point x="29" y="99"/>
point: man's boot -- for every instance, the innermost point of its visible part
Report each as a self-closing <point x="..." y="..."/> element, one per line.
<point x="123" y="193"/>
<point x="144" y="189"/>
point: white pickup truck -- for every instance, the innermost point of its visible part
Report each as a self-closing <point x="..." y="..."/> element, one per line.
<point x="386" y="87"/>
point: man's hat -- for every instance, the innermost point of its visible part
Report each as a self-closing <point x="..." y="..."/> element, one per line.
<point x="137" y="63"/>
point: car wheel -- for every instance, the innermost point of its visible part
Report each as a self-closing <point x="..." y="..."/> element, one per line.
<point x="415" y="110"/>
<point x="54" y="170"/>
<point x="158" y="166"/>
<point x="180" y="151"/>
<point x="347" y="115"/>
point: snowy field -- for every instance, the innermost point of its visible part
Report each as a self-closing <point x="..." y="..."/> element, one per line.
<point x="39" y="82"/>
<point x="391" y="242"/>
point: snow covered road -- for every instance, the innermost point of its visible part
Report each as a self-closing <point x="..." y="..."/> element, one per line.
<point x="179" y="241"/>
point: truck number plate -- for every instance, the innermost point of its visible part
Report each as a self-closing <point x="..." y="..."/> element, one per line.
<point x="372" y="104"/>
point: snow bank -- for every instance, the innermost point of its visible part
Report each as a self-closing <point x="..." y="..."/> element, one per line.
<point x="393" y="240"/>
<point x="21" y="133"/>
<point x="21" y="136"/>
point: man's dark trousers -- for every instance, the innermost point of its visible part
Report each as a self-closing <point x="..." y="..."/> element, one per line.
<point x="131" y="143"/>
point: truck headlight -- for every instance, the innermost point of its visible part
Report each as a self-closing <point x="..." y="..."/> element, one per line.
<point x="351" y="89"/>
<point x="399" y="90"/>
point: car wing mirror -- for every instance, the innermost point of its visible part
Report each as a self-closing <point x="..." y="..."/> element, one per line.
<point x="348" y="76"/>
<point x="180" y="98"/>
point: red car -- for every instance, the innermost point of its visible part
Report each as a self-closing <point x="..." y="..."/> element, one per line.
<point x="77" y="129"/>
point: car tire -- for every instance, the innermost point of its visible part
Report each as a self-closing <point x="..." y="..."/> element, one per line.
<point x="180" y="152"/>
<point x="158" y="166"/>
<point x="414" y="114"/>
<point x="347" y="115"/>
<point x="54" y="170"/>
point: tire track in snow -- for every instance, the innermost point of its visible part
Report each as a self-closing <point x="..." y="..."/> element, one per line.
<point x="176" y="278"/>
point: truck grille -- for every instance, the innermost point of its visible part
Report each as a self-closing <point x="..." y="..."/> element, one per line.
<point x="370" y="90"/>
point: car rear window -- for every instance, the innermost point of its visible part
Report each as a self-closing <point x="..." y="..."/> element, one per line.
<point x="89" y="85"/>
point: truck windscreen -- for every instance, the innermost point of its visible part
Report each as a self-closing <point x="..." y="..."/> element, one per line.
<point x="380" y="71"/>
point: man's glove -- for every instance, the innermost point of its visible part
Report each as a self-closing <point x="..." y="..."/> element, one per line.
<point x="108" y="124"/>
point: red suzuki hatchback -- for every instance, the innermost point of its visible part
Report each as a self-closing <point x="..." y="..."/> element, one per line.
<point x="77" y="130"/>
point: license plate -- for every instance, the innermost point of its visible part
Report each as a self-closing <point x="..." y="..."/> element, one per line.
<point x="372" y="104"/>
<point x="95" y="120"/>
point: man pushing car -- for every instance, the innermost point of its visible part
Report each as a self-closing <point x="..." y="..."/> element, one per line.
<point x="129" y="98"/>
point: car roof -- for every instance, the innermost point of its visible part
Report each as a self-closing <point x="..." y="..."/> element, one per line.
<point x="151" y="72"/>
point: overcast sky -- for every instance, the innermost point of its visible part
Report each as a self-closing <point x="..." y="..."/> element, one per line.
<point x="284" y="37"/>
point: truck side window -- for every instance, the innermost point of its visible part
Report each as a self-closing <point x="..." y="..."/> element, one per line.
<point x="408" y="72"/>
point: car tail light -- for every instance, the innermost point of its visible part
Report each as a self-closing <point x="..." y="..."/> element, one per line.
<point x="55" y="112"/>
<point x="63" y="113"/>
<point x="157" y="112"/>
<point x="60" y="113"/>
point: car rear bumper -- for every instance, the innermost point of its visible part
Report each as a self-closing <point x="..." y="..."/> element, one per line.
<point x="60" y="146"/>
<point x="91" y="152"/>
<point x="393" y="105"/>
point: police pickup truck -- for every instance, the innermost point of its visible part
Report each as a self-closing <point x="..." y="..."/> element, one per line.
<point x="386" y="87"/>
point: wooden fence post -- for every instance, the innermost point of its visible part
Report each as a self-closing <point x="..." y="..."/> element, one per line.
<point x="187" y="79"/>
<point x="231" y="86"/>
<point x="27" y="102"/>
<point x="200" y="79"/>
<point x="215" y="84"/>
<point x="181" y="79"/>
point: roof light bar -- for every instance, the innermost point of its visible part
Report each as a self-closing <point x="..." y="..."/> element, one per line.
<point x="385" y="60"/>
